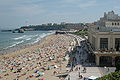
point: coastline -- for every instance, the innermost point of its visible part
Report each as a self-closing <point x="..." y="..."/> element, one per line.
<point x="51" y="45"/>
<point x="19" y="48"/>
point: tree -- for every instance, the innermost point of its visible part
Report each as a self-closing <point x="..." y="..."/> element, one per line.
<point x="111" y="76"/>
<point x="117" y="63"/>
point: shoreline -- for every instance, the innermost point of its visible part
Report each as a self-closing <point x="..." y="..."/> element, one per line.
<point x="45" y="57"/>
<point x="22" y="47"/>
<point x="4" y="49"/>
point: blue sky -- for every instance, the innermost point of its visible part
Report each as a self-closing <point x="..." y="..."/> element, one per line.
<point x="16" y="13"/>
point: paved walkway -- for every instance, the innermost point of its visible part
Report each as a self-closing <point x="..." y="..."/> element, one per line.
<point x="74" y="75"/>
<point x="81" y="60"/>
<point x="90" y="71"/>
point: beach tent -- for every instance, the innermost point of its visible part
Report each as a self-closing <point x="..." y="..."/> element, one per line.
<point x="36" y="71"/>
<point x="41" y="79"/>
<point x="68" y="69"/>
<point x="41" y="74"/>
<point x="55" y="66"/>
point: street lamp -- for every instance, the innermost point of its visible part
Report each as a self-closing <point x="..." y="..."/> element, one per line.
<point x="107" y="68"/>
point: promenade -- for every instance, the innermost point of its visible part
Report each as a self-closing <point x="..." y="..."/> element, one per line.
<point x="83" y="63"/>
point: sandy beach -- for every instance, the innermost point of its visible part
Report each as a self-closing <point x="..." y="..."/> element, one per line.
<point x="42" y="61"/>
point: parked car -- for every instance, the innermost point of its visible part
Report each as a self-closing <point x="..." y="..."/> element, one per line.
<point x="91" y="78"/>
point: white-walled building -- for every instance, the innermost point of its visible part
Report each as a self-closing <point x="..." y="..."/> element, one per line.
<point x="104" y="37"/>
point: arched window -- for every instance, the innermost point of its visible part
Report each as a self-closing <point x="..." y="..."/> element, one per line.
<point x="117" y="23"/>
<point x="112" y="23"/>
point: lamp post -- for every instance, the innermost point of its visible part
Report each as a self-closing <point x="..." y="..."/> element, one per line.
<point x="107" y="69"/>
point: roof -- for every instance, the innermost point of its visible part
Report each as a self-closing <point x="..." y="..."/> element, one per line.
<point x="113" y="19"/>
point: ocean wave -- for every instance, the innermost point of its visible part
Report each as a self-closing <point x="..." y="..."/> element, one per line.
<point x="37" y="40"/>
<point x="16" y="43"/>
<point x="25" y="37"/>
<point x="21" y="37"/>
<point x="40" y="37"/>
<point x="20" y="42"/>
<point x="36" y="35"/>
<point x="28" y="39"/>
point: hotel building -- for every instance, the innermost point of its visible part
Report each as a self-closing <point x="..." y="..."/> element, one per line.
<point x="104" y="37"/>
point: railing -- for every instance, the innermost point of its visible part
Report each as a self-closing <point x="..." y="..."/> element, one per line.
<point x="107" y="51"/>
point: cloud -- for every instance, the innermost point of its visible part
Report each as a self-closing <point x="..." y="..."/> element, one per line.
<point x="21" y="7"/>
<point x="79" y="3"/>
<point x="18" y="1"/>
<point x="116" y="7"/>
<point x="29" y="10"/>
<point x="71" y="1"/>
<point x="88" y="4"/>
<point x="14" y="12"/>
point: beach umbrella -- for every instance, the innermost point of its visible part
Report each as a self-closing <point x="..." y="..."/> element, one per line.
<point x="41" y="79"/>
<point x="41" y="74"/>
<point x="36" y="71"/>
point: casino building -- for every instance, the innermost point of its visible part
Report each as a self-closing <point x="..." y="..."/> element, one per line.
<point x="104" y="37"/>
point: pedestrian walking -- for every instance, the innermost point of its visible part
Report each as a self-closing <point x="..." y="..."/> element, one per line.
<point x="79" y="68"/>
<point x="80" y="76"/>
<point x="84" y="70"/>
<point x="108" y="69"/>
<point x="69" y="77"/>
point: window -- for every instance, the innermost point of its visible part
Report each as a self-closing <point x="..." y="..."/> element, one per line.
<point x="117" y="23"/>
<point x="112" y="23"/>
<point x="117" y="44"/>
<point x="103" y="43"/>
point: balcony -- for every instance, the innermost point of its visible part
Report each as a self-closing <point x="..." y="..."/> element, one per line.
<point x="106" y="51"/>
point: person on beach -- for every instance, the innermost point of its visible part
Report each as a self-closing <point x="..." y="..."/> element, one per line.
<point x="79" y="68"/>
<point x="76" y="69"/>
<point x="108" y="69"/>
<point x="84" y="70"/>
<point x="35" y="59"/>
<point x="68" y="77"/>
<point x="54" y="72"/>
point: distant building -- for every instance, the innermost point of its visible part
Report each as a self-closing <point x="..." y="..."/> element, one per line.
<point x="63" y="23"/>
<point x="44" y="24"/>
<point x="55" y="24"/>
<point x="104" y="36"/>
<point x="73" y="26"/>
<point x="49" y="24"/>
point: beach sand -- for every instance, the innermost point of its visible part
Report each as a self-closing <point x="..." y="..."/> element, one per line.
<point x="45" y="60"/>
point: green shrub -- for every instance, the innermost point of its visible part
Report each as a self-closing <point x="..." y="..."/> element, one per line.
<point x="111" y="76"/>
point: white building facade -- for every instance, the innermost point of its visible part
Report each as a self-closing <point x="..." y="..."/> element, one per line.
<point x="104" y="38"/>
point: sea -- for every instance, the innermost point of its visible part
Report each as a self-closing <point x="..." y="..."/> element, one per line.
<point x="9" y="40"/>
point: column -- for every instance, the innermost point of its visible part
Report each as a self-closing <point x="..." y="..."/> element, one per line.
<point x="113" y="60"/>
<point x="98" y="42"/>
<point x="97" y="60"/>
<point x="111" y="41"/>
